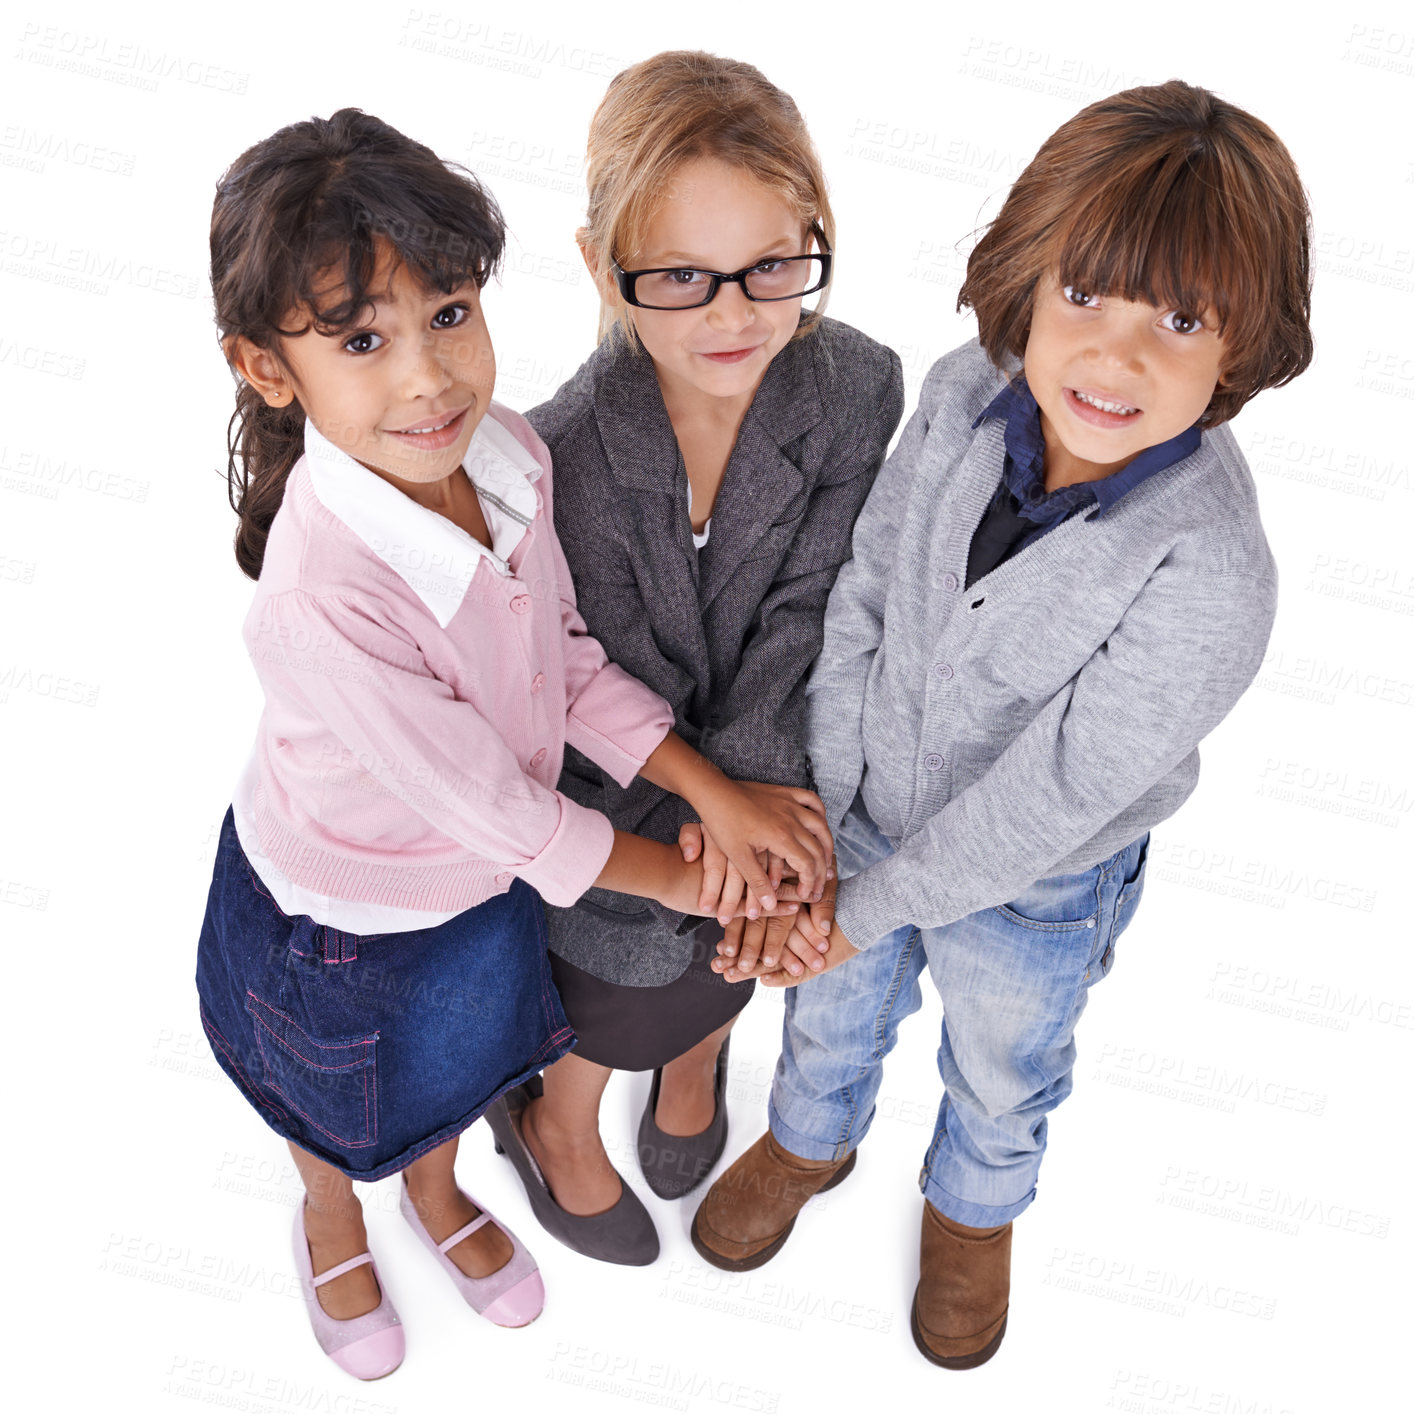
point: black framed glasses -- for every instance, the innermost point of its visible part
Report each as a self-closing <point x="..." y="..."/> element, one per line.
<point x="682" y="287"/>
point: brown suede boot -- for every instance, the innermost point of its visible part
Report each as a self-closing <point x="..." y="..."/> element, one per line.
<point x="964" y="1280"/>
<point x="748" y="1213"/>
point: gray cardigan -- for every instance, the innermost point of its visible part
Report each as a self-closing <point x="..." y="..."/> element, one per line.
<point x="726" y="635"/>
<point x="1049" y="715"/>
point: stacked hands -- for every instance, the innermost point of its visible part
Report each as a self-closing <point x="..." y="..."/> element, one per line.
<point x="769" y="935"/>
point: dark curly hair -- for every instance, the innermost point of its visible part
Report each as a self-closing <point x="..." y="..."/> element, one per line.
<point x="313" y="206"/>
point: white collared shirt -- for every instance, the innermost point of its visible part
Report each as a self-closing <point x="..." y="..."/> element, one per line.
<point x="435" y="558"/>
<point x="699" y="537"/>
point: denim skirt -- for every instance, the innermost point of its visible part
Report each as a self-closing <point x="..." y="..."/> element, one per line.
<point x="370" y="1050"/>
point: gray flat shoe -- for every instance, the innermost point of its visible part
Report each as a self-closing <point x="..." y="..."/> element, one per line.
<point x="624" y="1233"/>
<point x="674" y="1164"/>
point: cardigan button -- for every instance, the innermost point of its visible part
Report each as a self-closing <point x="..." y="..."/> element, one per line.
<point x="503" y="880"/>
<point x="942" y="670"/>
<point x="537" y="758"/>
<point x="950" y="583"/>
<point x="520" y="604"/>
<point x="537" y="683"/>
<point x="933" y="761"/>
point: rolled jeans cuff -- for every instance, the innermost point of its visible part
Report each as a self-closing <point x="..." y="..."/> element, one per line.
<point x="960" y="1210"/>
<point x="803" y="1146"/>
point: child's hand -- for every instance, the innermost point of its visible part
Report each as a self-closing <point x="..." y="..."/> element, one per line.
<point x="684" y="888"/>
<point x="690" y="840"/>
<point x="840" y="950"/>
<point x="794" y="944"/>
<point x="722" y="884"/>
<point x="747" y="819"/>
<point x="746" y="940"/>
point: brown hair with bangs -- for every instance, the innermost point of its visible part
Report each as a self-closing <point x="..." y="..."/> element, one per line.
<point x="1171" y="196"/>
<point x="671" y="109"/>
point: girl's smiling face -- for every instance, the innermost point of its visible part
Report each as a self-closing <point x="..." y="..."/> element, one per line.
<point x="1113" y="377"/>
<point x="402" y="392"/>
<point x="720" y="219"/>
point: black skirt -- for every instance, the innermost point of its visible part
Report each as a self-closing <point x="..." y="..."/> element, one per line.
<point x="643" y="1028"/>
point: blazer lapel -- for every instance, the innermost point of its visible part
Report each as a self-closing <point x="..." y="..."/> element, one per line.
<point x="633" y="423"/>
<point x="762" y="485"/>
<point x="645" y="463"/>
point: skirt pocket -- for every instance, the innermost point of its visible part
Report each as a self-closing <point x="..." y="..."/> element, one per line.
<point x="332" y="1084"/>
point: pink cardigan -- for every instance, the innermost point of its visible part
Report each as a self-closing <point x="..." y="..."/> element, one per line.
<point x="419" y="690"/>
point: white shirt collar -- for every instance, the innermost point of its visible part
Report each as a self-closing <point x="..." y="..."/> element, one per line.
<point x="435" y="559"/>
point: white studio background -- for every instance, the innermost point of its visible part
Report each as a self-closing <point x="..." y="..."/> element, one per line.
<point x="1218" y="1226"/>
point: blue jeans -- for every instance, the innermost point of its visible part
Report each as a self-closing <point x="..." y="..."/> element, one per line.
<point x="1013" y="979"/>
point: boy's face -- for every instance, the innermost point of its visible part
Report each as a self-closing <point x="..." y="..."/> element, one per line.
<point x="1113" y="377"/>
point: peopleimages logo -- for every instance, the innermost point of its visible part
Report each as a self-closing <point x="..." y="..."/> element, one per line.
<point x="1207" y="1085"/>
<point x="1264" y="1205"/>
<point x="54" y="261"/>
<point x="122" y="61"/>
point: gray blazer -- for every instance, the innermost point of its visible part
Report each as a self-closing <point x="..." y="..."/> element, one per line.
<point x="726" y="635"/>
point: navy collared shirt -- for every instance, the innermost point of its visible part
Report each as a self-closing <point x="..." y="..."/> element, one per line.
<point x="1023" y="510"/>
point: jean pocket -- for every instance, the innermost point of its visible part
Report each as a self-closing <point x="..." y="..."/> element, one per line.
<point x="1063" y="903"/>
<point x="332" y="1084"/>
<point x="1132" y="891"/>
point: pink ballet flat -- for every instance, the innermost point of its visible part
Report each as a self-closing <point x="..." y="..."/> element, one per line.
<point x="512" y="1296"/>
<point x="366" y="1347"/>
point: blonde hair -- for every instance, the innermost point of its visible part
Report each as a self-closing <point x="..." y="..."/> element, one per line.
<point x="672" y="109"/>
